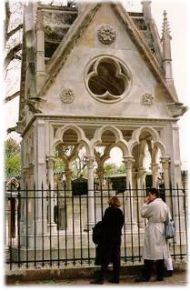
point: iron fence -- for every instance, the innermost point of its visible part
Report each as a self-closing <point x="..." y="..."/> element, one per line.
<point x="52" y="227"/>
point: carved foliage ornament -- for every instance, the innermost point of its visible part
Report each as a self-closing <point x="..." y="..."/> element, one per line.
<point x="147" y="99"/>
<point x="106" y="34"/>
<point x="66" y="95"/>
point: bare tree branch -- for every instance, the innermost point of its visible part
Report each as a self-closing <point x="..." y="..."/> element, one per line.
<point x="12" y="53"/>
<point x="12" y="96"/>
<point x="17" y="57"/>
<point x="13" y="31"/>
<point x="7" y="17"/>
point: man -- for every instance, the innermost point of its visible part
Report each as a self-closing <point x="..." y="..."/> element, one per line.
<point x="155" y="245"/>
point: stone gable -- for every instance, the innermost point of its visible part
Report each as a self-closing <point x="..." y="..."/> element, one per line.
<point x="88" y="53"/>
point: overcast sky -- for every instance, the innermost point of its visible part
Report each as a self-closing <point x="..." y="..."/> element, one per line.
<point x="178" y="18"/>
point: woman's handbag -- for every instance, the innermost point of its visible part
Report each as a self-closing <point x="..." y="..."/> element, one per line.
<point x="169" y="228"/>
<point x="97" y="232"/>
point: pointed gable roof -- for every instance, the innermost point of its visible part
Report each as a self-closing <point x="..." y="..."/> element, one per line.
<point x="79" y="26"/>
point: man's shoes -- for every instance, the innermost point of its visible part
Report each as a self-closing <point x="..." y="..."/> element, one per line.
<point x="98" y="282"/>
<point x="114" y="281"/>
<point x="142" y="279"/>
<point x="168" y="273"/>
<point x="160" y="279"/>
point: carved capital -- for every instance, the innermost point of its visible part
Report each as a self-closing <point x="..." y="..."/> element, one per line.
<point x="90" y="162"/>
<point x="155" y="167"/>
<point x="141" y="171"/>
<point x="100" y="173"/>
<point x="50" y="162"/>
<point x="68" y="174"/>
<point x="128" y="161"/>
<point x="165" y="162"/>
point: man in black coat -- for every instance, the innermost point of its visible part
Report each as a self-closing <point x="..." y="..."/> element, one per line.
<point x="108" y="249"/>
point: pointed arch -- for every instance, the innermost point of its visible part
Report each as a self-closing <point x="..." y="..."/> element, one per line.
<point x="99" y="132"/>
<point x="81" y="138"/>
<point x="162" y="147"/>
<point x="75" y="128"/>
<point x="119" y="142"/>
<point x="155" y="138"/>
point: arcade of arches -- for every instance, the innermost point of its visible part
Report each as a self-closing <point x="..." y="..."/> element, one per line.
<point x="136" y="144"/>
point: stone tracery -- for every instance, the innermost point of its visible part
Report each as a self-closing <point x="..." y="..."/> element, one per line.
<point x="108" y="79"/>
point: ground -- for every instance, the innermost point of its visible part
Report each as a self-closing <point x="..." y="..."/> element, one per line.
<point x="178" y="279"/>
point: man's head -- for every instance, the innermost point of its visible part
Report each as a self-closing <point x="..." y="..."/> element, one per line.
<point x="152" y="194"/>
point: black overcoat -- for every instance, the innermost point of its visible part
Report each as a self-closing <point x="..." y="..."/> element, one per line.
<point x="110" y="242"/>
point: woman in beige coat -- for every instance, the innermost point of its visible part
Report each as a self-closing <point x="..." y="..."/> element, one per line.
<point x="155" y="245"/>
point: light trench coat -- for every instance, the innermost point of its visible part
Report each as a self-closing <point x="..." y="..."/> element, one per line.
<point x="155" y="245"/>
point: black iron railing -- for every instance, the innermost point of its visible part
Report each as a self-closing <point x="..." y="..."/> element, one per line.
<point x="53" y="227"/>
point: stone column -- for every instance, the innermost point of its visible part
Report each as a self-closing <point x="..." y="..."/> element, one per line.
<point x="166" y="168"/>
<point x="141" y="182"/>
<point x="90" y="166"/>
<point x="155" y="174"/>
<point x="142" y="178"/>
<point x="68" y="175"/>
<point x="129" y="211"/>
<point x="128" y="161"/>
<point x="34" y="205"/>
<point x="100" y="174"/>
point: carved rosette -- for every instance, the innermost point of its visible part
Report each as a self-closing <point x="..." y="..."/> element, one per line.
<point x="106" y="34"/>
<point x="67" y="96"/>
<point x="147" y="99"/>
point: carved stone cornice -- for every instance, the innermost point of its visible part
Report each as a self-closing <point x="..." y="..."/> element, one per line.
<point x="121" y="122"/>
<point x="137" y="121"/>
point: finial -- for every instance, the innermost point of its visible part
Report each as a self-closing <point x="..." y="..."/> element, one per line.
<point x="146" y="5"/>
<point x="165" y="27"/>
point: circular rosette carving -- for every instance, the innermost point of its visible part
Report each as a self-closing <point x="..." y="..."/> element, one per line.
<point x="108" y="79"/>
<point x="106" y="34"/>
<point x="66" y="95"/>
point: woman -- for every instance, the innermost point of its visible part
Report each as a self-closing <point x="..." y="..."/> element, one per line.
<point x="108" y="249"/>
